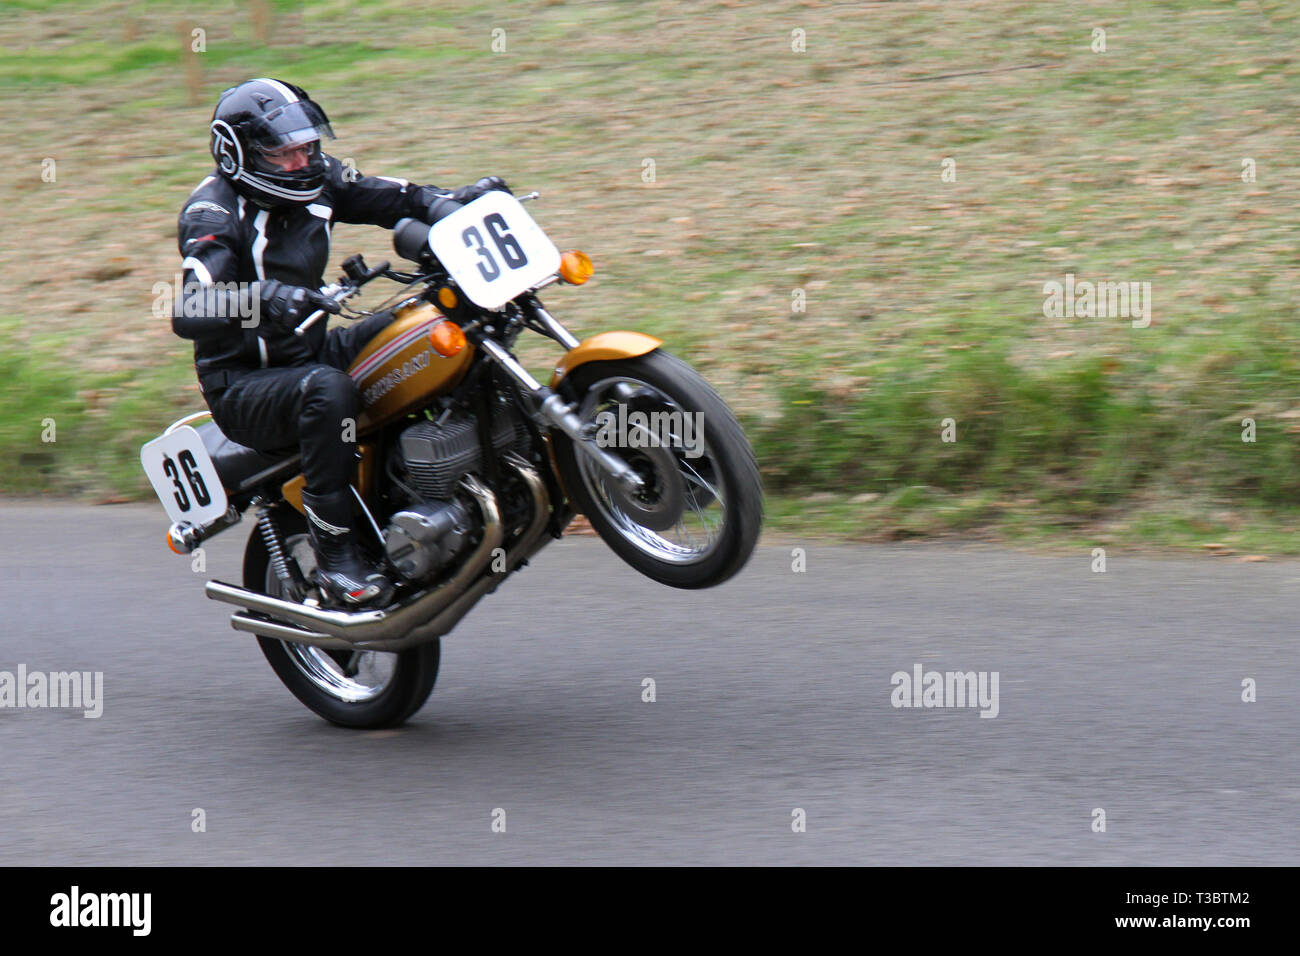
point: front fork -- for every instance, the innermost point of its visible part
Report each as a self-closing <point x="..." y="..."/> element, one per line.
<point x="555" y="411"/>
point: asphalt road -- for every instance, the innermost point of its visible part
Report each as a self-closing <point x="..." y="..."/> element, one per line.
<point x="1118" y="690"/>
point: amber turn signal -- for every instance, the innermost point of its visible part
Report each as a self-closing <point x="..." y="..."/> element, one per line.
<point x="575" y="267"/>
<point x="172" y="546"/>
<point x="446" y="338"/>
<point x="447" y="297"/>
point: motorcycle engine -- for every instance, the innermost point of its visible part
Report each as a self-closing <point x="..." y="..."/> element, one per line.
<point x="438" y="454"/>
<point x="432" y="529"/>
<point x="423" y="538"/>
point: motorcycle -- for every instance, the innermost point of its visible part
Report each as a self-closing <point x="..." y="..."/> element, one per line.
<point x="467" y="465"/>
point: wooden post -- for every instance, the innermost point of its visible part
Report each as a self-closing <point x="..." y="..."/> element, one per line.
<point x="190" y="60"/>
<point x="261" y="15"/>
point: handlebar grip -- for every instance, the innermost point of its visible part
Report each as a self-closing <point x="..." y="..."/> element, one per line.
<point x="308" y="322"/>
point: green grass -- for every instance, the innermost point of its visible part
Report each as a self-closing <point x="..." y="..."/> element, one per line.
<point x="776" y="171"/>
<point x="80" y="435"/>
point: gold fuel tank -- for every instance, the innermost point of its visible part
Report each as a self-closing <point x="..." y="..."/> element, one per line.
<point x="398" y="370"/>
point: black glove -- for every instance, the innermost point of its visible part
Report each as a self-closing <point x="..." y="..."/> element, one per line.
<point x="285" y="306"/>
<point x="467" y="194"/>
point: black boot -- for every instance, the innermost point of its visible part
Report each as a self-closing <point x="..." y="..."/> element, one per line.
<point x="341" y="571"/>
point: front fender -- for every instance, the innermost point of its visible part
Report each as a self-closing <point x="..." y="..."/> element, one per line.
<point x="604" y="345"/>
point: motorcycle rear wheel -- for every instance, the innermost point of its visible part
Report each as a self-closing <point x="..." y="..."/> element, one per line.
<point x="364" y="690"/>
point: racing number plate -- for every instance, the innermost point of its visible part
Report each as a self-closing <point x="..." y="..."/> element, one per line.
<point x="493" y="249"/>
<point x="184" y="477"/>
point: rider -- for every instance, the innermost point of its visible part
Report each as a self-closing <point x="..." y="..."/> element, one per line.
<point x="255" y="237"/>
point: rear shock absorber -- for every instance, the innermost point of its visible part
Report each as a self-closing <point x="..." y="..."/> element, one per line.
<point x="275" y="550"/>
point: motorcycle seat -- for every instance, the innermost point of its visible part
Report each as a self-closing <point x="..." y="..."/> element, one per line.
<point x="240" y="467"/>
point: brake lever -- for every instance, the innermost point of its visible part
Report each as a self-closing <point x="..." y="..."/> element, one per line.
<point x="338" y="292"/>
<point x="357" y="276"/>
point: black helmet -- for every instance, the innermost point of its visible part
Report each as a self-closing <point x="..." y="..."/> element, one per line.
<point x="258" y="117"/>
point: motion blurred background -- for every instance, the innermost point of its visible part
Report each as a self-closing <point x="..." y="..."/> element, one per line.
<point x="761" y="184"/>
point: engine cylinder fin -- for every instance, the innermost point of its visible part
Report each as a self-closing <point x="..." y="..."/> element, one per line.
<point x="439" y="453"/>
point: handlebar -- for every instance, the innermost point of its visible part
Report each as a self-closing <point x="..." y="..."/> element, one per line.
<point x="410" y="238"/>
<point x="355" y="275"/>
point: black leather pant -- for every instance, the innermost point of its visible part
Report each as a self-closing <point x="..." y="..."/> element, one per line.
<point x="308" y="406"/>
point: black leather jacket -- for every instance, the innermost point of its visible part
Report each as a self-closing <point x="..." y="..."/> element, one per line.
<point x="225" y="238"/>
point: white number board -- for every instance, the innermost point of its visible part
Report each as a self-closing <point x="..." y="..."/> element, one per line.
<point x="183" y="475"/>
<point x="493" y="249"/>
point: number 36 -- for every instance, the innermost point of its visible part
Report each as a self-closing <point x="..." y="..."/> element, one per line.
<point x="507" y="245"/>
<point x="190" y="467"/>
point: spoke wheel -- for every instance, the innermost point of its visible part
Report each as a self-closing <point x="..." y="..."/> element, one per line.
<point x="360" y="689"/>
<point x="695" y="518"/>
<point x="678" y="514"/>
<point x="351" y="676"/>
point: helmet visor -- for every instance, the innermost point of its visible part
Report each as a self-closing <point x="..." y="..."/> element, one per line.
<point x="289" y="159"/>
<point x="290" y="125"/>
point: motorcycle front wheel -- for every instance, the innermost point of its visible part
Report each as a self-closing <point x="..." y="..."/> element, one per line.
<point x="697" y="515"/>
<point x="365" y="690"/>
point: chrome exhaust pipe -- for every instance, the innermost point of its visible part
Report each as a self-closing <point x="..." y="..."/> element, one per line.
<point x="352" y="627"/>
<point x="451" y="615"/>
<point x="286" y="632"/>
